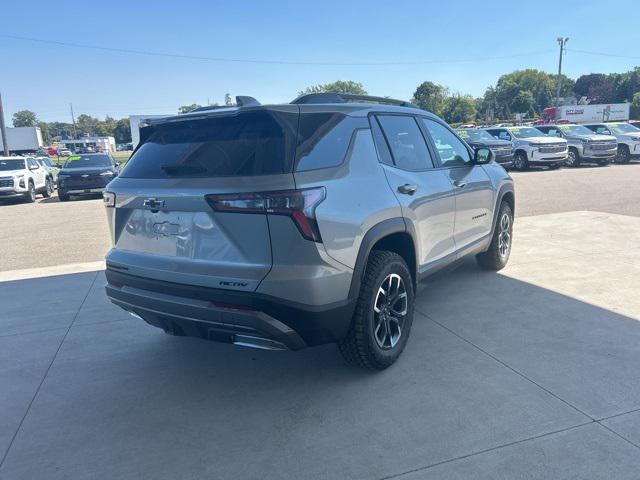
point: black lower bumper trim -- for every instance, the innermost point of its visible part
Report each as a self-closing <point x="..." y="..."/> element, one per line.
<point x="218" y="314"/>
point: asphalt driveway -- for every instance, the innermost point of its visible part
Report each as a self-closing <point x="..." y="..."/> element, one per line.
<point x="528" y="373"/>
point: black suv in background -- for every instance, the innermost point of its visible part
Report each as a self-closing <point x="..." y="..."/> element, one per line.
<point x="85" y="174"/>
<point x="477" y="137"/>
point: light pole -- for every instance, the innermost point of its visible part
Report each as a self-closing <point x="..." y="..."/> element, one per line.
<point x="562" y="42"/>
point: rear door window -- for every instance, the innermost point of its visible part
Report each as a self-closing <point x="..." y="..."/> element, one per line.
<point x="406" y="142"/>
<point x="323" y="139"/>
<point x="259" y="142"/>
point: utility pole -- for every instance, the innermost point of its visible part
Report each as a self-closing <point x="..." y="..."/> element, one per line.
<point x="73" y="119"/>
<point x="562" y="42"/>
<point x="3" y="130"/>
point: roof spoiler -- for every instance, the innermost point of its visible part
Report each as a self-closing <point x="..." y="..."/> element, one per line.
<point x="334" y="97"/>
<point x="241" y="101"/>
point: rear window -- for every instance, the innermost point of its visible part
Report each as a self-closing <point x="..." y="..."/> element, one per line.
<point x="247" y="144"/>
<point x="323" y="139"/>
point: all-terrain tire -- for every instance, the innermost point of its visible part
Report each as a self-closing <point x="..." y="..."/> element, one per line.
<point x="361" y="346"/>
<point x="497" y="256"/>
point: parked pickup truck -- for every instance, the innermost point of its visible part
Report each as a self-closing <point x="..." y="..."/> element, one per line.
<point x="627" y="135"/>
<point x="584" y="145"/>
<point x="477" y="137"/>
<point x="22" y="177"/>
<point x="532" y="147"/>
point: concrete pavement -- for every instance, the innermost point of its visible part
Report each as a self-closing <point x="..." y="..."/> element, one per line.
<point x="528" y="373"/>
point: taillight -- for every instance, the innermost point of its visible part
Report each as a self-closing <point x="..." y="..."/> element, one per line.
<point x="299" y="205"/>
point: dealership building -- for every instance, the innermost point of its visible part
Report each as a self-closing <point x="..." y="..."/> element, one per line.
<point x="105" y="144"/>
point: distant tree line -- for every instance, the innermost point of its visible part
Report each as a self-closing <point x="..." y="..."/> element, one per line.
<point x="85" y="125"/>
<point x="527" y="92"/>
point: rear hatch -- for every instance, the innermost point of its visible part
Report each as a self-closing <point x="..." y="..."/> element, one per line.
<point x="165" y="226"/>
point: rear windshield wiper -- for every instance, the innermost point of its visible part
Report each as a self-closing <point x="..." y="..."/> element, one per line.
<point x="179" y="170"/>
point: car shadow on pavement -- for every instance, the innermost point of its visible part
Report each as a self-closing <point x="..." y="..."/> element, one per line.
<point x="56" y="199"/>
<point x="492" y="360"/>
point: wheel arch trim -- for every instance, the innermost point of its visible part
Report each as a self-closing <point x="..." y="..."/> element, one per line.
<point x="376" y="233"/>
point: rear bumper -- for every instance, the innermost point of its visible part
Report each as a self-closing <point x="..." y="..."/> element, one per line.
<point x="249" y="319"/>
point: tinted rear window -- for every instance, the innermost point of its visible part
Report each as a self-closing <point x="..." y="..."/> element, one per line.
<point x="247" y="144"/>
<point x="324" y="139"/>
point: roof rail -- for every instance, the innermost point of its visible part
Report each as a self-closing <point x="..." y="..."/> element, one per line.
<point x="334" y="97"/>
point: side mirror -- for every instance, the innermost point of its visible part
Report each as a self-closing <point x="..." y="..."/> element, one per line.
<point x="483" y="155"/>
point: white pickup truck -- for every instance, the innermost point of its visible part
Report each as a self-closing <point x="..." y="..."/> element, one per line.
<point x="627" y="135"/>
<point x="22" y="177"/>
<point x="532" y="147"/>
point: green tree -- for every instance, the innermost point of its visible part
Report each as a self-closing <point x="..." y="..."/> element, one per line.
<point x="188" y="108"/>
<point x="459" y="109"/>
<point x="626" y="85"/>
<point x="431" y="97"/>
<point x="524" y="102"/>
<point x="539" y="84"/>
<point x="339" y="86"/>
<point x="58" y="130"/>
<point x="566" y="85"/>
<point x="44" y="130"/>
<point x="635" y="106"/>
<point x="87" y="125"/>
<point x="122" y="131"/>
<point x="25" y="118"/>
<point x="597" y="87"/>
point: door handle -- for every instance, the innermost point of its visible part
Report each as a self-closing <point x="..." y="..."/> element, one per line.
<point x="407" y="189"/>
<point x="460" y="183"/>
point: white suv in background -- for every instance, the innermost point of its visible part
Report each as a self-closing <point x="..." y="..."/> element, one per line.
<point x="532" y="147"/>
<point x="23" y="178"/>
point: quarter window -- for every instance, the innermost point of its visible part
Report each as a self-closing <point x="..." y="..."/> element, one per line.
<point x="451" y="150"/>
<point x="406" y="142"/>
<point x="324" y="139"/>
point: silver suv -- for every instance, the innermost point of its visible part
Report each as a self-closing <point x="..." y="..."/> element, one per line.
<point x="286" y="226"/>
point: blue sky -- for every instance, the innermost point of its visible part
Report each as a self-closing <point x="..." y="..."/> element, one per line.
<point x="45" y="77"/>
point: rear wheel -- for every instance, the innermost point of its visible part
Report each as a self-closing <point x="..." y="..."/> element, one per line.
<point x="383" y="315"/>
<point x="623" y="154"/>
<point x="497" y="256"/>
<point x="48" y="188"/>
<point x="573" y="158"/>
<point x="520" y="161"/>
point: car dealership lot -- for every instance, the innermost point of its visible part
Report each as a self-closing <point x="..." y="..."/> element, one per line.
<point x="531" y="371"/>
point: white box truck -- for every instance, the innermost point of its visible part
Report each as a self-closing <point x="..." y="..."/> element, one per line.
<point x="604" y="112"/>
<point x="23" y="140"/>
